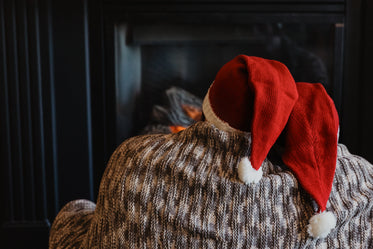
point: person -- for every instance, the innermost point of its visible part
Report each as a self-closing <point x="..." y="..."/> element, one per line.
<point x="212" y="185"/>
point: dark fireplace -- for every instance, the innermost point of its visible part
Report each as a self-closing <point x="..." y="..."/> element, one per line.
<point x="156" y="53"/>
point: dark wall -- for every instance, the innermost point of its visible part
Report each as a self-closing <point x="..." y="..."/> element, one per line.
<point x="366" y="131"/>
<point x="56" y="68"/>
<point x="357" y="112"/>
<point x="28" y="140"/>
<point x="47" y="149"/>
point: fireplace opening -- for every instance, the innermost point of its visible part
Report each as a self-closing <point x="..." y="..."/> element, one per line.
<point x="158" y="62"/>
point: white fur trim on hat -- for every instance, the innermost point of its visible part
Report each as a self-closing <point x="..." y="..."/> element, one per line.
<point x="247" y="173"/>
<point x="211" y="117"/>
<point x="321" y="224"/>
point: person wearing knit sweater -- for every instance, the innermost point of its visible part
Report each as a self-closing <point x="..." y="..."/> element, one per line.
<point x="213" y="186"/>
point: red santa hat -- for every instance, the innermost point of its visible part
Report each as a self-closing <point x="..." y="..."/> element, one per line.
<point x="259" y="97"/>
<point x="310" y="150"/>
<point x="254" y="95"/>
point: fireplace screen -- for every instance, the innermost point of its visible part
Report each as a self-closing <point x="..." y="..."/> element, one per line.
<point x="162" y="68"/>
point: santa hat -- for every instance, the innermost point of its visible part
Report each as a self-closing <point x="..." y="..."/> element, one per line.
<point x="259" y="97"/>
<point x="252" y="95"/>
<point x="310" y="150"/>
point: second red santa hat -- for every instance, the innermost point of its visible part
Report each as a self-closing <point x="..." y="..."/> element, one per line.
<point x="310" y="150"/>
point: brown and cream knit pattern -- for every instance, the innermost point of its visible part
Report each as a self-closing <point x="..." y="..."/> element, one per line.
<point x="182" y="191"/>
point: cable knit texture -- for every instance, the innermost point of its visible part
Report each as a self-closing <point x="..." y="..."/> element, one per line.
<point x="182" y="191"/>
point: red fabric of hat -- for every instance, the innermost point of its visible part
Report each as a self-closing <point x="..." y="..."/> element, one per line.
<point x="252" y="94"/>
<point x="311" y="141"/>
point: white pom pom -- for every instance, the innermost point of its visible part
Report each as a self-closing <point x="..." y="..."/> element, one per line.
<point x="247" y="173"/>
<point x="321" y="224"/>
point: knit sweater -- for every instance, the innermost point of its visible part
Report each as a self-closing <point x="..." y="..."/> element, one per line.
<point x="182" y="191"/>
